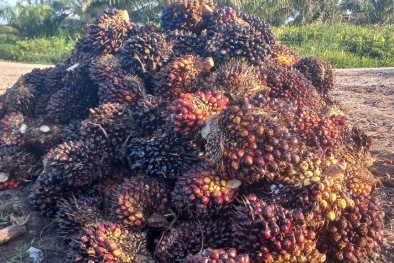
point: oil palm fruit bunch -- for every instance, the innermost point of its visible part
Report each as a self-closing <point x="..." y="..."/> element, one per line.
<point x="187" y="14"/>
<point x="146" y="52"/>
<point x="271" y="233"/>
<point x="77" y="212"/>
<point x="149" y="114"/>
<point x="319" y="72"/>
<point x="191" y="111"/>
<point x="289" y="83"/>
<point x="105" y="35"/>
<point x="183" y="75"/>
<point x="115" y="84"/>
<point x="164" y="154"/>
<point x="230" y="255"/>
<point x="107" y="128"/>
<point x="254" y="143"/>
<point x="18" y="98"/>
<point x="355" y="235"/>
<point x="186" y="42"/>
<point x="17" y="166"/>
<point x="229" y="35"/>
<point x="12" y="129"/>
<point x="189" y="237"/>
<point x="136" y="199"/>
<point x="109" y="242"/>
<point x="283" y="56"/>
<point x="238" y="79"/>
<point x="201" y="192"/>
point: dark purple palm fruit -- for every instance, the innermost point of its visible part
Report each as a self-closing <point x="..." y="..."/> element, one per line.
<point x="201" y="192"/>
<point x="283" y="56"/>
<point x="76" y="212"/>
<point x="17" y="167"/>
<point x="164" y="154"/>
<point x="146" y="52"/>
<point x="18" y="98"/>
<point x="187" y="14"/>
<point x="71" y="131"/>
<point x="230" y="255"/>
<point x="231" y="35"/>
<point x="13" y="127"/>
<point x="356" y="234"/>
<point x="105" y="35"/>
<point x="290" y="84"/>
<point x="109" y="242"/>
<point x="272" y="234"/>
<point x="136" y="199"/>
<point x="190" y="237"/>
<point x="191" y="111"/>
<point x="319" y="72"/>
<point x="45" y="89"/>
<point x="115" y="84"/>
<point x="183" y="75"/>
<point x="149" y="114"/>
<point x="107" y="128"/>
<point x="238" y="79"/>
<point x="186" y="42"/>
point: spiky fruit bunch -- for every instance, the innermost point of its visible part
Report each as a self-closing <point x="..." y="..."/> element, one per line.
<point x="18" y="98"/>
<point x="16" y="166"/>
<point x="71" y="164"/>
<point x="230" y="255"/>
<point x="319" y="72"/>
<point x="136" y="199"/>
<point x="356" y="234"/>
<point x="229" y="35"/>
<point x="189" y="237"/>
<point x="238" y="79"/>
<point x="254" y="142"/>
<point x="321" y="200"/>
<point x="107" y="128"/>
<point x="116" y="85"/>
<point x="146" y="52"/>
<point x="106" y="34"/>
<point x="191" y="111"/>
<point x="109" y="242"/>
<point x="271" y="233"/>
<point x="186" y="42"/>
<point x="201" y="192"/>
<point x="283" y="56"/>
<point x="71" y="131"/>
<point x="186" y="14"/>
<point x="183" y="75"/>
<point x="164" y="154"/>
<point x="291" y="84"/>
<point x="77" y="212"/>
<point x="71" y="102"/>
<point x="149" y="114"/>
<point x="12" y="129"/>
<point x="361" y="182"/>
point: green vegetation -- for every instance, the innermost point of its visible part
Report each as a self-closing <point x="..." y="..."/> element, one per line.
<point x="344" y="45"/>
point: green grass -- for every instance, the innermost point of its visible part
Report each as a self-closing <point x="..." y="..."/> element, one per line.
<point x="344" y="45"/>
<point x="39" y="50"/>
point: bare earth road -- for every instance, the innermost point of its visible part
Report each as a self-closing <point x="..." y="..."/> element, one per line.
<point x="366" y="96"/>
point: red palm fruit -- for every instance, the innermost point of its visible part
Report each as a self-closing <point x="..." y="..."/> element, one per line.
<point x="283" y="56"/>
<point x="217" y="255"/>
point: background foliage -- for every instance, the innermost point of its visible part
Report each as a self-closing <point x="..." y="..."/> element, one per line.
<point x="349" y="33"/>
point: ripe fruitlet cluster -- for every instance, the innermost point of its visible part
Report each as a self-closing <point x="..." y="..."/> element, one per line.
<point x="202" y="140"/>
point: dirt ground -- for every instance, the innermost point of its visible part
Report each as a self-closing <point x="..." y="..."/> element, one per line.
<point x="367" y="96"/>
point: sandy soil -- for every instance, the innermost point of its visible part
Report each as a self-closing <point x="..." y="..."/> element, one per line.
<point x="366" y="95"/>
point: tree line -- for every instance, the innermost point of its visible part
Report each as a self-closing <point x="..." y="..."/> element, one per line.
<point x="40" y="18"/>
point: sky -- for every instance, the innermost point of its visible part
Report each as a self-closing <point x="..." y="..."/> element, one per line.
<point x="11" y="2"/>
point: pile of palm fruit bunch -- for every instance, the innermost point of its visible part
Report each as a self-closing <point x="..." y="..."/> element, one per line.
<point x="202" y="140"/>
